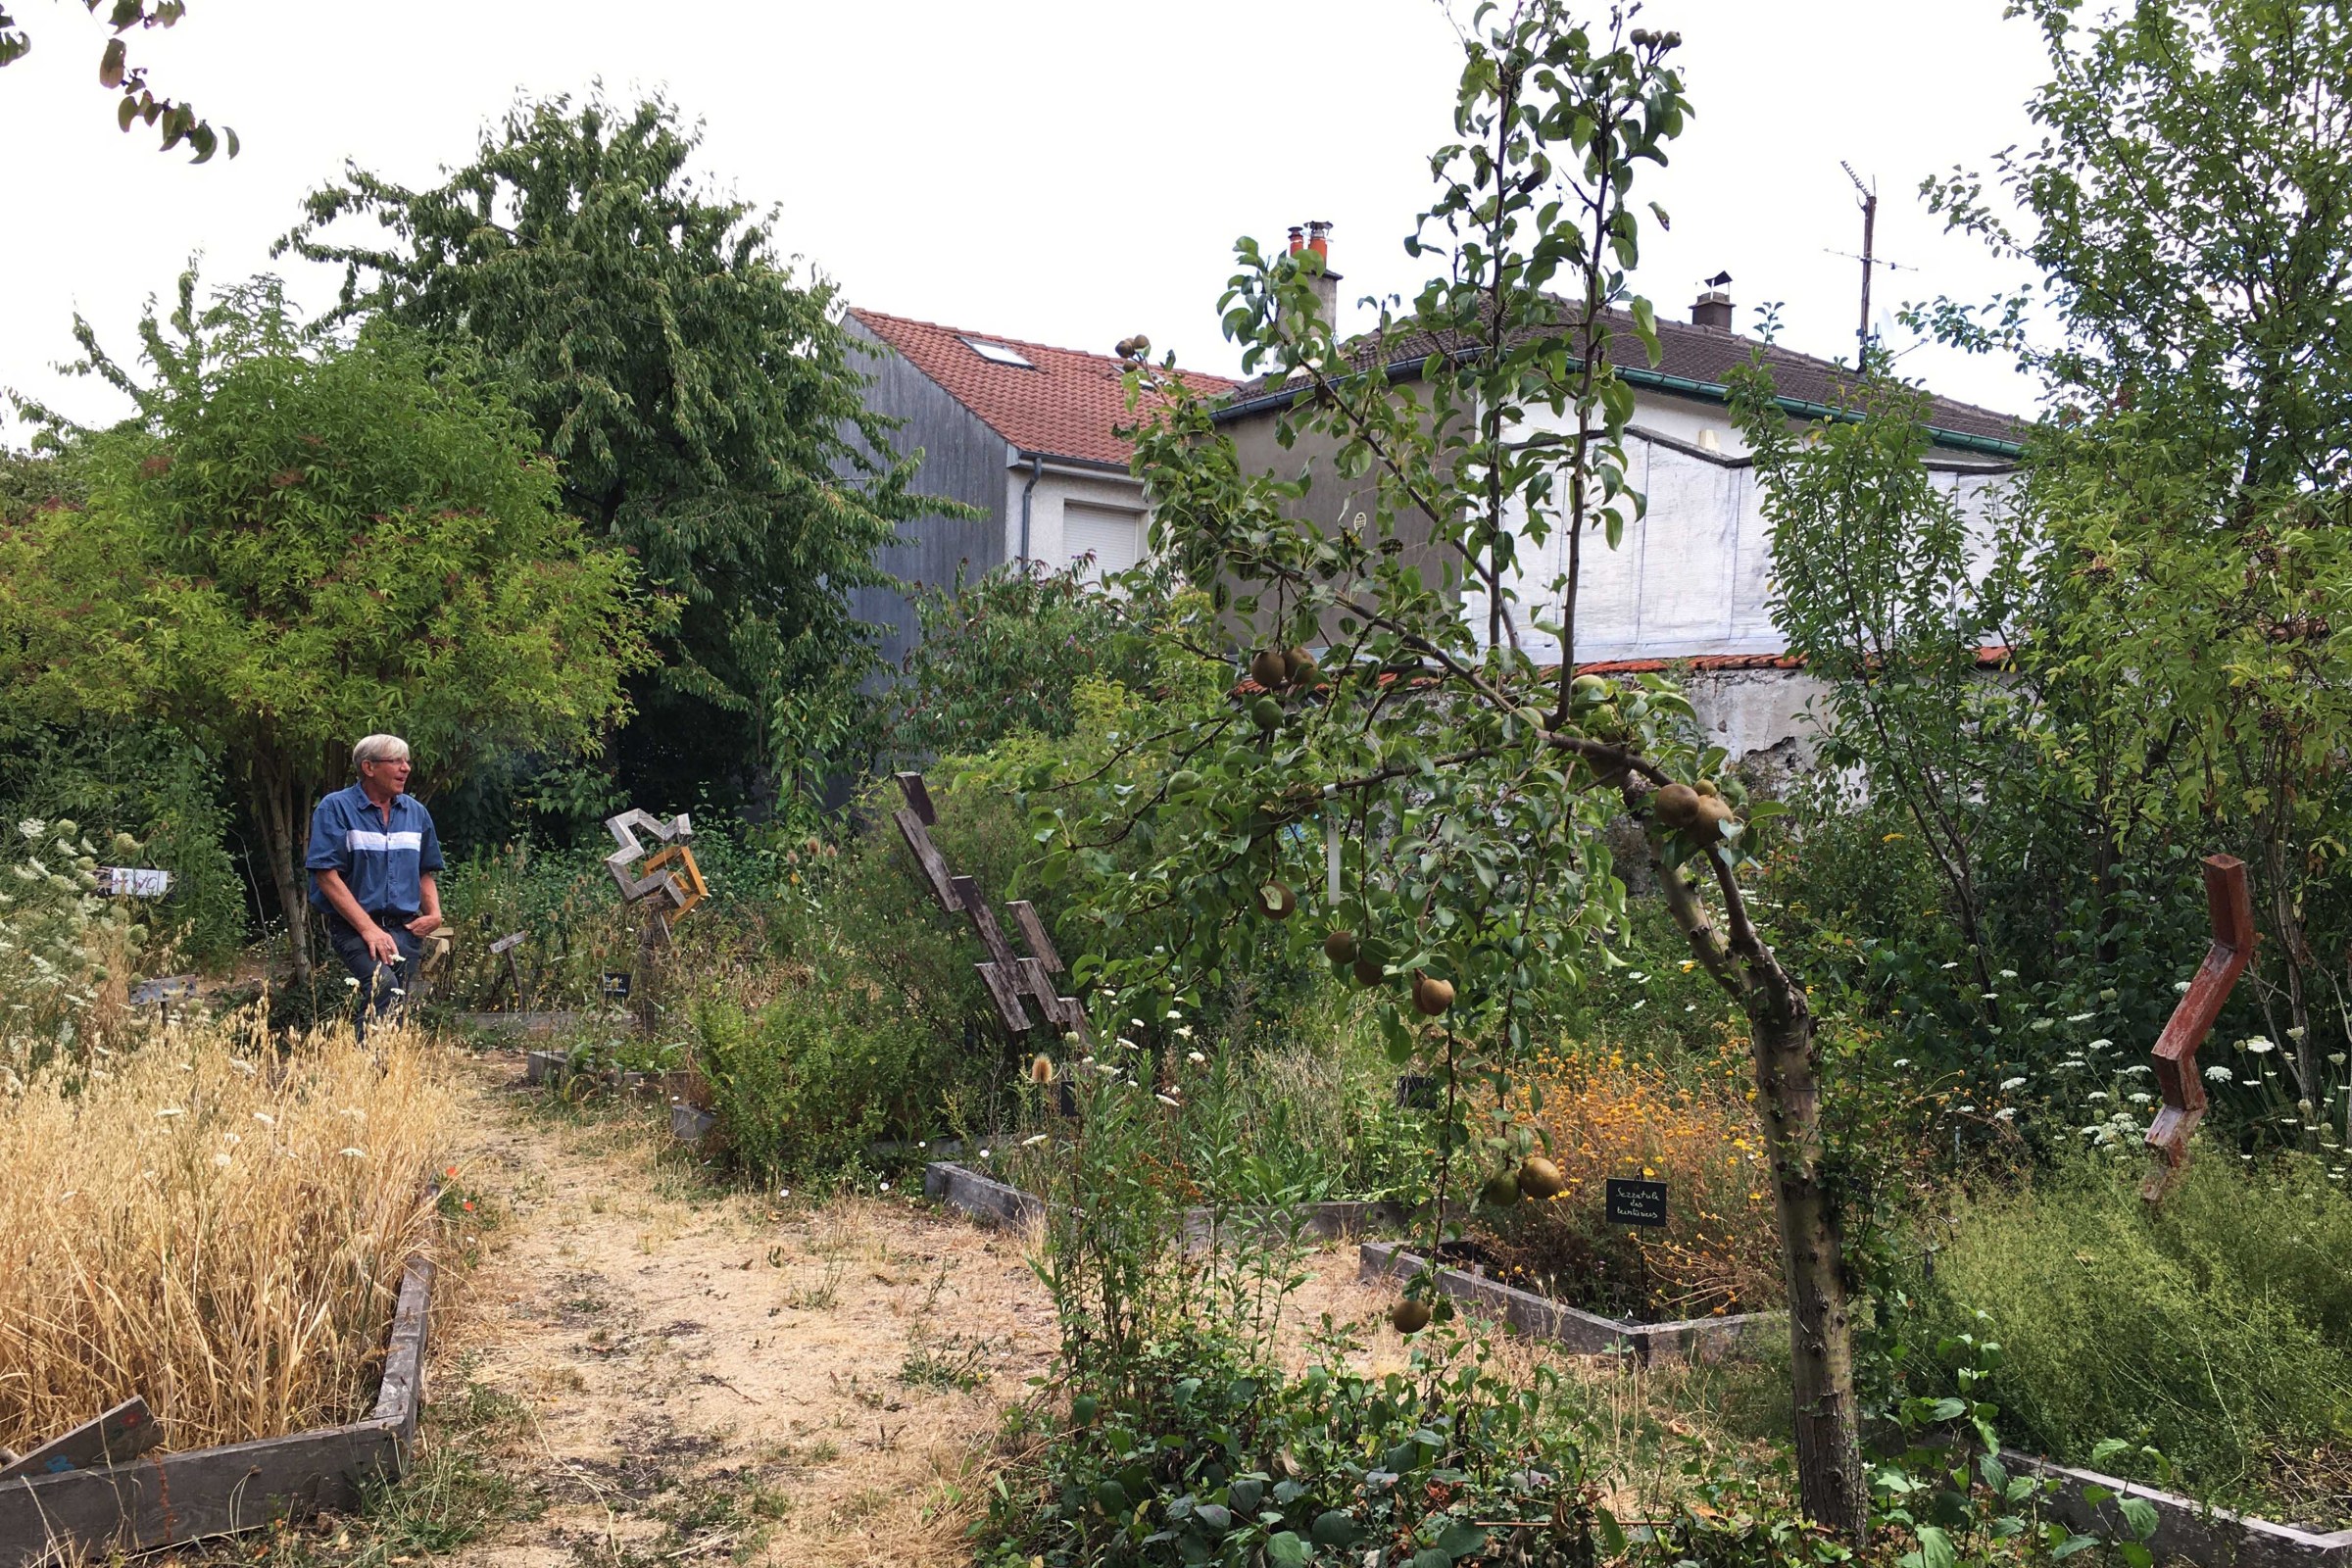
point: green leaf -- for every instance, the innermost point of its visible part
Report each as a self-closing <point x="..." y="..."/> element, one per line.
<point x="2140" y="1514"/>
<point x="1284" y="1549"/>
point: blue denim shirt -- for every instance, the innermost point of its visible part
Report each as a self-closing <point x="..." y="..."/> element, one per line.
<point x="383" y="862"/>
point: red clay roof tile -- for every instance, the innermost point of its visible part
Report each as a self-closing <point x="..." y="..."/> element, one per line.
<point x="1068" y="405"/>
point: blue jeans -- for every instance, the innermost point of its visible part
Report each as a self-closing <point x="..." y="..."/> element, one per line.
<point x="382" y="986"/>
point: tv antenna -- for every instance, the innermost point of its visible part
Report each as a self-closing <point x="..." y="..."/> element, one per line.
<point x="1867" y="257"/>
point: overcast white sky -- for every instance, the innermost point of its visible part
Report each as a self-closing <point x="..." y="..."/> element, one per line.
<point x="1063" y="170"/>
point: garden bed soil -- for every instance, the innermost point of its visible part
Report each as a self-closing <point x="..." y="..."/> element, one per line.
<point x="996" y="1203"/>
<point x="1704" y="1338"/>
<point x="165" y="1499"/>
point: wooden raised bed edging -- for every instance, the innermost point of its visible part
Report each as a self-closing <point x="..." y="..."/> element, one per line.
<point x="163" y="1500"/>
<point x="1698" y="1339"/>
<point x="994" y="1203"/>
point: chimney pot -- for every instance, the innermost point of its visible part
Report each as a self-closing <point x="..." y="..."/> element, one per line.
<point x="1712" y="309"/>
<point x="1320" y="238"/>
<point x="1298" y="240"/>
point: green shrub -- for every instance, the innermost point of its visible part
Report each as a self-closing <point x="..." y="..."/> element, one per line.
<point x="2213" y="1328"/>
<point x="802" y="1085"/>
<point x="146" y="781"/>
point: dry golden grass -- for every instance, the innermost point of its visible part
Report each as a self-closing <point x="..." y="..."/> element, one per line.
<point x="221" y="1229"/>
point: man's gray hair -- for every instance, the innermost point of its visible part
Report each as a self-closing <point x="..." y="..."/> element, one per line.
<point x="379" y="749"/>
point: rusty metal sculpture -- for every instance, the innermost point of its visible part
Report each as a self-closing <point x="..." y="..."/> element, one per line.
<point x="2175" y="1054"/>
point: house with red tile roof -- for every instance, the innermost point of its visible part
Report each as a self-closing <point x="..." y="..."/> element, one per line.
<point x="1024" y="433"/>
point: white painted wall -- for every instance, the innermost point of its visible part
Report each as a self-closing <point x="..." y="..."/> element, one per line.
<point x="1692" y="576"/>
<point x="1058" y="488"/>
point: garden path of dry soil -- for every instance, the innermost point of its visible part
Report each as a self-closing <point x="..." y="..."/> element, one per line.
<point x="694" y="1371"/>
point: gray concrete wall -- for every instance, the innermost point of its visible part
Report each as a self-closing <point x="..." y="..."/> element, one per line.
<point x="963" y="461"/>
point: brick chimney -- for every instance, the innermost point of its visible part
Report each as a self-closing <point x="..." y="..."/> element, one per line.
<point x="1712" y="309"/>
<point x="1315" y="238"/>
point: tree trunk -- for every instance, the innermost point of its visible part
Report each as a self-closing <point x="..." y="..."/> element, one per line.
<point x="283" y="826"/>
<point x="1821" y="1329"/>
<point x="1821" y="1340"/>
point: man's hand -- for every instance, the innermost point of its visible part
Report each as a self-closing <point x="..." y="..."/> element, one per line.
<point x="380" y="946"/>
<point x="425" y="925"/>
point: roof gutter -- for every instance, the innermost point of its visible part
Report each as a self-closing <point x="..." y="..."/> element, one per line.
<point x="1659" y="381"/>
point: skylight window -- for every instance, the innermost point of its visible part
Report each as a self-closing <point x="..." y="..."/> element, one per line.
<point x="997" y="353"/>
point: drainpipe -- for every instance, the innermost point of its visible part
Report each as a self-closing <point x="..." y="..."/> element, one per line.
<point x="1037" y="472"/>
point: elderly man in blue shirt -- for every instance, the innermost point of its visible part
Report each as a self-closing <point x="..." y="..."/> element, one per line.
<point x="373" y="863"/>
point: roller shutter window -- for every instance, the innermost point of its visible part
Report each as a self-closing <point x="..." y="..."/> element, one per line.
<point x="1112" y="537"/>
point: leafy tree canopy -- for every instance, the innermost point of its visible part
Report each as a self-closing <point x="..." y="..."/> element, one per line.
<point x="700" y="402"/>
<point x="2191" y="218"/>
<point x="290" y="547"/>
<point x="177" y="122"/>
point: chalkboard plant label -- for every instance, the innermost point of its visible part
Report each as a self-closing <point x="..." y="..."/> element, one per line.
<point x="1631" y="1200"/>
<point x="616" y="982"/>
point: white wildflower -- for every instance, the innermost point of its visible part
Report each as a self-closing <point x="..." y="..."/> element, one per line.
<point x="2139" y="1099"/>
<point x="1184" y="1031"/>
<point x="1902" y="1061"/>
<point x="2005" y="1113"/>
<point x="2257" y="1045"/>
<point x="2296" y="1032"/>
<point x="1954" y="965"/>
<point x="2182" y="986"/>
<point x="2097" y="1094"/>
<point x="882" y="1186"/>
<point x="1129" y="1044"/>
<point x="2081" y="1017"/>
<point x="2219" y="1074"/>
<point x="2100" y="1044"/>
<point x="2008" y="1084"/>
<point x="2008" y="975"/>
<point x="1195" y="1058"/>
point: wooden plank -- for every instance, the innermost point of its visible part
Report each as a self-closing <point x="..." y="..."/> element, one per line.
<point x="1008" y="1000"/>
<point x="918" y="798"/>
<point x="984" y="921"/>
<point x="163" y="1500"/>
<point x="1037" y="983"/>
<point x="1033" y="932"/>
<point x="1073" y="1019"/>
<point x="167" y="1498"/>
<point x="512" y="939"/>
<point x="122" y="1433"/>
<point x="927" y="855"/>
<point x="401" y="1396"/>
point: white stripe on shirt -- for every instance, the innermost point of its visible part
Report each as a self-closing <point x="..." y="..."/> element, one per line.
<point x="360" y="838"/>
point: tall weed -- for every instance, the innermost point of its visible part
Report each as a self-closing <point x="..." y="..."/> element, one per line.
<point x="2214" y="1329"/>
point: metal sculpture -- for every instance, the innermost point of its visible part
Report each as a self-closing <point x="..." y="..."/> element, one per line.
<point x="2175" y="1054"/>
